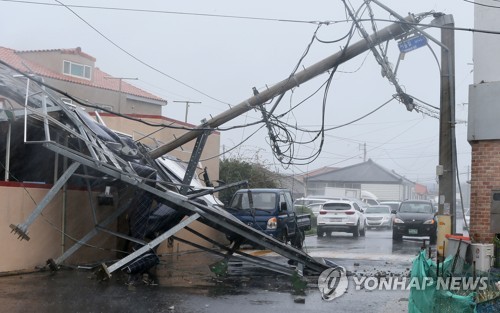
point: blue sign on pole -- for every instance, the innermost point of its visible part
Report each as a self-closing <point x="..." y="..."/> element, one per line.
<point x="412" y="43"/>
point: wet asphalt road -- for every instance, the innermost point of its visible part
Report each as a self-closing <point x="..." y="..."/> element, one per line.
<point x="191" y="287"/>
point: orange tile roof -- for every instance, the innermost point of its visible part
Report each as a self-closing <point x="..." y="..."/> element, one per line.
<point x="15" y="59"/>
<point x="420" y="189"/>
<point x="76" y="50"/>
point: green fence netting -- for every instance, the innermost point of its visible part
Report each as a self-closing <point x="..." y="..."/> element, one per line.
<point x="435" y="290"/>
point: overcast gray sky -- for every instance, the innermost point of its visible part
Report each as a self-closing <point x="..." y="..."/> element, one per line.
<point x="222" y="57"/>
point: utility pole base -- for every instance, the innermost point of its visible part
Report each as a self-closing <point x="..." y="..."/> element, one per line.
<point x="444" y="228"/>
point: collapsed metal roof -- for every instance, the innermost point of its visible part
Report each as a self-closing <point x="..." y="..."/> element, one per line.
<point x="100" y="156"/>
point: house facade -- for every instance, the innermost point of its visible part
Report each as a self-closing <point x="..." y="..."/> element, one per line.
<point x="368" y="176"/>
<point x="29" y="171"/>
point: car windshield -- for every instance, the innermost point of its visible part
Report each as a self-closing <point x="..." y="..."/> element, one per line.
<point x="378" y="210"/>
<point x="336" y="206"/>
<point x="415" y="207"/>
<point x="261" y="200"/>
<point x="393" y="205"/>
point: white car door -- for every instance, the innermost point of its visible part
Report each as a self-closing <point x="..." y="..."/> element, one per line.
<point x="360" y="214"/>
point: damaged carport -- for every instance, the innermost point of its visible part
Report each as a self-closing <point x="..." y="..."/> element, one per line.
<point x="104" y="155"/>
<point x="98" y="154"/>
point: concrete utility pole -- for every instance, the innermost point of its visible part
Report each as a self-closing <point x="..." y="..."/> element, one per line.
<point x="187" y="107"/>
<point x="447" y="149"/>
<point x="390" y="32"/>
<point x="364" y="151"/>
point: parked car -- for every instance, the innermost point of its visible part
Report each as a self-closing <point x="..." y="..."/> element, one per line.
<point x="369" y="198"/>
<point x="379" y="216"/>
<point x="307" y="201"/>
<point x="270" y="211"/>
<point x="393" y="204"/>
<point x="315" y="208"/>
<point x="415" y="218"/>
<point x="342" y="216"/>
<point x="361" y="204"/>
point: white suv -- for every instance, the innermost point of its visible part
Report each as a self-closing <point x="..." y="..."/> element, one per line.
<point x="342" y="216"/>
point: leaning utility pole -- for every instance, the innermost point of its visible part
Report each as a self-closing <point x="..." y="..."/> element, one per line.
<point x="390" y="32"/>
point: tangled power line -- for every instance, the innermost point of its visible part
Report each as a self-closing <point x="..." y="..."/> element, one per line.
<point x="282" y="134"/>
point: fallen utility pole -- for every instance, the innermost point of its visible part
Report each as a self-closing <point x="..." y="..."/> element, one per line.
<point x="390" y="32"/>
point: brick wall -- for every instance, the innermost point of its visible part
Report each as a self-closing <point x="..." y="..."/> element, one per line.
<point x="485" y="177"/>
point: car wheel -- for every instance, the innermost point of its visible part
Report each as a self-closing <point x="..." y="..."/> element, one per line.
<point x="355" y="231"/>
<point x="283" y="237"/>
<point x="298" y="241"/>
<point x="319" y="232"/>
<point x="362" y="232"/>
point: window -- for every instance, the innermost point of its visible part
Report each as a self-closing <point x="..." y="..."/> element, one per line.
<point x="77" y="70"/>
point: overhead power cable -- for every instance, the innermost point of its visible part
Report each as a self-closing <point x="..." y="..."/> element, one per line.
<point x="382" y="60"/>
<point x="327" y="22"/>
<point x="482" y="4"/>
<point x="178" y="13"/>
<point x="282" y="140"/>
<point x="473" y="30"/>
<point x="139" y="60"/>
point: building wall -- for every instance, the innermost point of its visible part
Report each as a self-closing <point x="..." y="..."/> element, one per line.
<point x="483" y="132"/>
<point x="485" y="177"/>
<point x="107" y="98"/>
<point x="385" y="192"/>
<point x="486" y="47"/>
<point x="53" y="60"/>
<point x="46" y="240"/>
<point x="111" y="99"/>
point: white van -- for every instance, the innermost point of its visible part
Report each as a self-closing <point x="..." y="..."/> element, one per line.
<point x="369" y="198"/>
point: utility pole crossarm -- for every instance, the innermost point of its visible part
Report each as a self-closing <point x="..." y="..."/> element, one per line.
<point x="390" y="32"/>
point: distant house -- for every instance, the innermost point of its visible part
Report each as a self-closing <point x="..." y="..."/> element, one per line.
<point x="368" y="176"/>
<point x="74" y="72"/>
<point x="421" y="191"/>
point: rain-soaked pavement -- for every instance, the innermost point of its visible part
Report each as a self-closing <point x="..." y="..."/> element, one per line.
<point x="192" y="287"/>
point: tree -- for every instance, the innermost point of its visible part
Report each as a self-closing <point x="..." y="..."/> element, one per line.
<point x="233" y="170"/>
